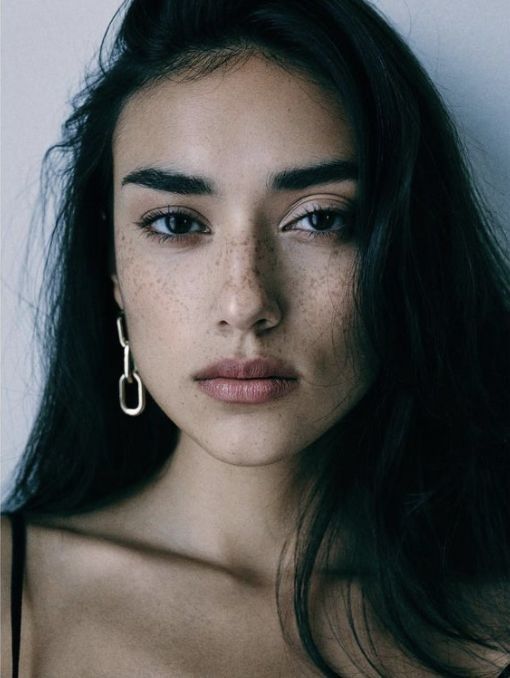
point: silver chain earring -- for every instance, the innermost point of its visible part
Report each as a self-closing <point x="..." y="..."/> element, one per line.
<point x="129" y="375"/>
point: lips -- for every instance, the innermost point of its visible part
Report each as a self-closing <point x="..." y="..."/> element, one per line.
<point x="256" y="368"/>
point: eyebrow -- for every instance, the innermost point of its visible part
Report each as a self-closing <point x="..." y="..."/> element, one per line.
<point x="290" y="179"/>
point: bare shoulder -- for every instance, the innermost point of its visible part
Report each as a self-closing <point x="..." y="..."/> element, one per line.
<point x="6" y="562"/>
<point x="474" y="660"/>
<point x="65" y="553"/>
<point x="62" y="559"/>
<point x="68" y="570"/>
<point x="491" y="603"/>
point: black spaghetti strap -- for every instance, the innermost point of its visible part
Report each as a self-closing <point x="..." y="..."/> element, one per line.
<point x="17" y="572"/>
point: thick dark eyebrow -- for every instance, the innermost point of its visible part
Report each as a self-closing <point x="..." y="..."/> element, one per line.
<point x="169" y="181"/>
<point x="296" y="179"/>
<point x="290" y="179"/>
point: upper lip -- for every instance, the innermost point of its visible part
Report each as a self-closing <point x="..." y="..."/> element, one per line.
<point x="255" y="368"/>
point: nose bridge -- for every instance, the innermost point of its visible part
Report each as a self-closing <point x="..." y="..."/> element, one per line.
<point x="247" y="258"/>
<point x="248" y="291"/>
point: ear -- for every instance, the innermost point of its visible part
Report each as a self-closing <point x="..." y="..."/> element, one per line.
<point x="116" y="291"/>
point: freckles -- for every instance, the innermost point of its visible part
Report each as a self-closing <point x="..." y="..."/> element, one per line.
<point x="341" y="279"/>
<point x="326" y="306"/>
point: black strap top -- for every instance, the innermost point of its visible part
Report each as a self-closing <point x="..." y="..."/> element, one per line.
<point x="18" y="567"/>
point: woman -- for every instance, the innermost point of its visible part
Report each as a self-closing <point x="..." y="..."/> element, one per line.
<point x="274" y="435"/>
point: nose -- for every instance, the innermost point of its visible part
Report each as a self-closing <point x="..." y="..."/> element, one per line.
<point x="248" y="297"/>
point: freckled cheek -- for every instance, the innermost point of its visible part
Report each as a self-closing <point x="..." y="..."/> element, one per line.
<point x="328" y="322"/>
<point x="327" y="297"/>
<point x="348" y="339"/>
<point x="157" y="296"/>
<point x="160" y="316"/>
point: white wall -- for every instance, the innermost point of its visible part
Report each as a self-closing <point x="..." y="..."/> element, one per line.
<point x="47" y="43"/>
<point x="45" y="47"/>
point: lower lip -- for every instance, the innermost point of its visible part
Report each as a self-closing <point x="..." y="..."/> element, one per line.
<point x="247" y="390"/>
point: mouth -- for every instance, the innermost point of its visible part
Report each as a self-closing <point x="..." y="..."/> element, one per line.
<point x="248" y="391"/>
<point x="252" y="369"/>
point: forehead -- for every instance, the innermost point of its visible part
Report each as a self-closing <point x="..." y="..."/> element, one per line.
<point x="235" y="123"/>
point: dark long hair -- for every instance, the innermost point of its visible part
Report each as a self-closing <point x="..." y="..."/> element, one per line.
<point x="418" y="471"/>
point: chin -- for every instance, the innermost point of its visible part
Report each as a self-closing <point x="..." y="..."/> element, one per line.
<point x="244" y="445"/>
<point x="250" y="458"/>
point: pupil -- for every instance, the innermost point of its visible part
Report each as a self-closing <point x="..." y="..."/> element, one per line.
<point x="177" y="223"/>
<point x="320" y="220"/>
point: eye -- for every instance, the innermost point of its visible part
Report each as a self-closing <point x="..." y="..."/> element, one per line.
<point x="325" y="222"/>
<point x="176" y="224"/>
<point x="170" y="224"/>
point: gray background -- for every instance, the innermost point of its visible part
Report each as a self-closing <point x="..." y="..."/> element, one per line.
<point x="46" y="45"/>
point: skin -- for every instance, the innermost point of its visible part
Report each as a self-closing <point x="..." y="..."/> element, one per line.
<point x="247" y="288"/>
<point x="178" y="580"/>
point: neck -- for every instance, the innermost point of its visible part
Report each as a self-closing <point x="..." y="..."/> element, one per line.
<point x="232" y="517"/>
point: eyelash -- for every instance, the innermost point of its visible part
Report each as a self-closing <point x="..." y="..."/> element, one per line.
<point x="146" y="222"/>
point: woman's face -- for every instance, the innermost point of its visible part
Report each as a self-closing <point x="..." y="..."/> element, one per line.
<point x="247" y="278"/>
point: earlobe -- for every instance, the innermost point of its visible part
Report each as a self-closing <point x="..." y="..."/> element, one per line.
<point x="116" y="291"/>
